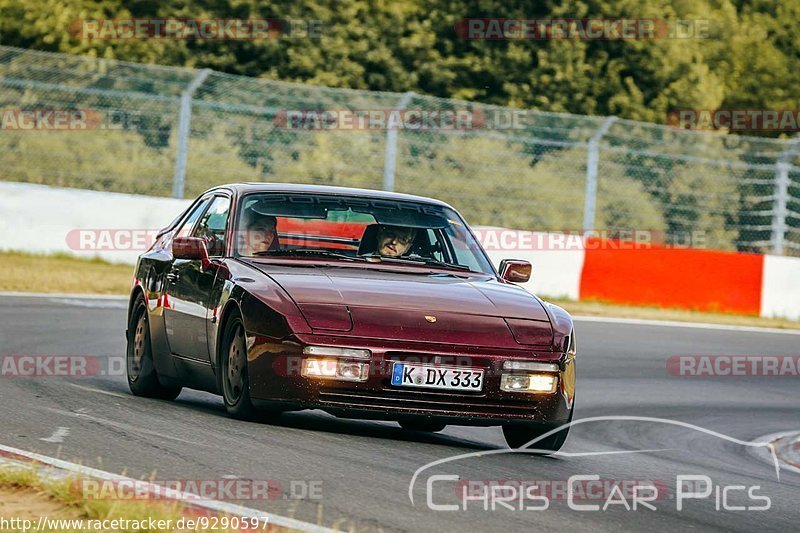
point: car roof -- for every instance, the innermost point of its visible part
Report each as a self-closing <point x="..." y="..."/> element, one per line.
<point x="251" y="187"/>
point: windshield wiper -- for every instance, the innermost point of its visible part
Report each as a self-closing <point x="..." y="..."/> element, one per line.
<point x="377" y="258"/>
<point x="414" y="260"/>
<point x="305" y="252"/>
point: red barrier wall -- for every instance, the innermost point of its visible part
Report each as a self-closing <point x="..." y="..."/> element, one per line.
<point x="704" y="280"/>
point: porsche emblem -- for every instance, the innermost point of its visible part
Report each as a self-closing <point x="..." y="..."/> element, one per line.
<point x="430" y="318"/>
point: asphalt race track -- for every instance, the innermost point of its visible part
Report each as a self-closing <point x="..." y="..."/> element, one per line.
<point x="365" y="467"/>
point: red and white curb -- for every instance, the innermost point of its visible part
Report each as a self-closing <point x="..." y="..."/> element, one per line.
<point x="787" y="449"/>
<point x="56" y="469"/>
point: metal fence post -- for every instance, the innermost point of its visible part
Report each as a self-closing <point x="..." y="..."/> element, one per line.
<point x="782" y="168"/>
<point x="592" y="164"/>
<point x="779" y="211"/>
<point x="390" y="157"/>
<point x="184" y="131"/>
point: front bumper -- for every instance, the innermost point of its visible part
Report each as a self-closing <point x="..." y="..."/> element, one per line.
<point x="276" y="382"/>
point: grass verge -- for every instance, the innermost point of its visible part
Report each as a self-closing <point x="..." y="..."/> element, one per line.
<point x="66" y="274"/>
<point x="24" y="496"/>
<point x="62" y="273"/>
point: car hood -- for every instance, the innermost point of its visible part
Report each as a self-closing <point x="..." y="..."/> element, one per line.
<point x="433" y="307"/>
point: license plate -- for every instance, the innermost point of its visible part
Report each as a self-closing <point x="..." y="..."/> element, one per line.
<point x="437" y="377"/>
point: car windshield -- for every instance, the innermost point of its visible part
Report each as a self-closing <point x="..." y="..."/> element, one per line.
<point x="351" y="228"/>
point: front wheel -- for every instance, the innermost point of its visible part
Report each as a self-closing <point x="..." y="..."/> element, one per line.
<point x="235" y="381"/>
<point x="142" y="376"/>
<point x="518" y="435"/>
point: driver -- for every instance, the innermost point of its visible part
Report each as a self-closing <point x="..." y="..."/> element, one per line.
<point x="394" y="241"/>
<point x="259" y="234"/>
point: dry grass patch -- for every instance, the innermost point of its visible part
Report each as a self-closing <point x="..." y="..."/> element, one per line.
<point x="62" y="273"/>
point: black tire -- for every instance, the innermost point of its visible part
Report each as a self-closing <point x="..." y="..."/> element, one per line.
<point x="142" y="375"/>
<point x="235" y="381"/>
<point x="518" y="435"/>
<point x="428" y="426"/>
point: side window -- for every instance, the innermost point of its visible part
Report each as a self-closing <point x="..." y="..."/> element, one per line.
<point x="193" y="216"/>
<point x="212" y="226"/>
<point x="463" y="254"/>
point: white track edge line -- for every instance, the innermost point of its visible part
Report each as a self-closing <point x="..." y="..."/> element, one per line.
<point x="688" y="325"/>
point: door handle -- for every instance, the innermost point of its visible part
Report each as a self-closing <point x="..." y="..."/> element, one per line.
<point x="173" y="277"/>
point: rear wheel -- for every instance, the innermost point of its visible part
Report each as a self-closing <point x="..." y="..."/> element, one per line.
<point x="142" y="376"/>
<point x="422" y="425"/>
<point x="235" y="381"/>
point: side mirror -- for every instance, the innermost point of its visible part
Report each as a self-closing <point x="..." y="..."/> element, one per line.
<point x="515" y="270"/>
<point x="192" y="248"/>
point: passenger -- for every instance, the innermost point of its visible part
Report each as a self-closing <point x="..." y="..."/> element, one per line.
<point x="394" y="241"/>
<point x="259" y="234"/>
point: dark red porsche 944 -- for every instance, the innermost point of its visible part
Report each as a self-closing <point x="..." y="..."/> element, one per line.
<point x="365" y="304"/>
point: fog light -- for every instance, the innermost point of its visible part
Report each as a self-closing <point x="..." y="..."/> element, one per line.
<point x="314" y="367"/>
<point x="351" y="370"/>
<point x="544" y="383"/>
<point x="321" y="368"/>
<point x="515" y="382"/>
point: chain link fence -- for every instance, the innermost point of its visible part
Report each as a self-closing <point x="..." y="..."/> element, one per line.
<point x="170" y="131"/>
